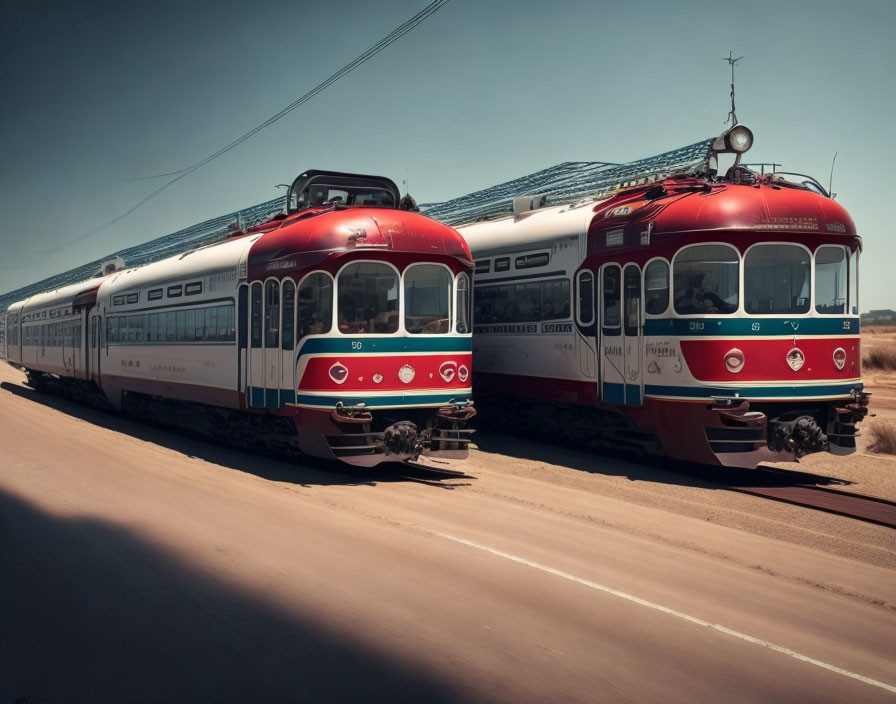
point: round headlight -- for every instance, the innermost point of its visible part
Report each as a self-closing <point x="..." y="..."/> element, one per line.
<point x="739" y="139"/>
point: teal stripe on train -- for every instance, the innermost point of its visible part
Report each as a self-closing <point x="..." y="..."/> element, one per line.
<point x="390" y="345"/>
<point x="749" y="392"/>
<point x="270" y="398"/>
<point x="744" y="327"/>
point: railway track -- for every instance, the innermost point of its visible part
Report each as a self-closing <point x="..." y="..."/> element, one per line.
<point x="870" y="509"/>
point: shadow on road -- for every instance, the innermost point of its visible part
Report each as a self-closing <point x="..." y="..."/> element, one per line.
<point x="307" y="471"/>
<point x="91" y="612"/>
<point x="646" y="469"/>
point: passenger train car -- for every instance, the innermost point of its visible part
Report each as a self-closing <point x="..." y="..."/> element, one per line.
<point x="703" y="317"/>
<point x="339" y="328"/>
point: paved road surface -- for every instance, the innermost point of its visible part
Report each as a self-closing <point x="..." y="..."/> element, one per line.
<point x="140" y="565"/>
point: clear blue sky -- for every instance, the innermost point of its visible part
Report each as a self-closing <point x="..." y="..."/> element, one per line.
<point x="97" y="92"/>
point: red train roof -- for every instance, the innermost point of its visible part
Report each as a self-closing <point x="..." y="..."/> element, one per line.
<point x="371" y="229"/>
<point x="689" y="205"/>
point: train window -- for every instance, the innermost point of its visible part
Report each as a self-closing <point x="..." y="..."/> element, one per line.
<point x="315" y="305"/>
<point x="776" y="279"/>
<point x="502" y="264"/>
<point x="170" y="326"/>
<point x="427" y="299"/>
<point x="831" y="280"/>
<point x="193" y="288"/>
<point x="656" y="287"/>
<point x="226" y="323"/>
<point x="112" y="329"/>
<point x="118" y="300"/>
<point x="368" y="299"/>
<point x="854" y="282"/>
<point x="175" y="291"/>
<point x="585" y="297"/>
<point x="289" y="315"/>
<point x="632" y="299"/>
<point x="530" y="261"/>
<point x="483" y="266"/>
<point x="463" y="304"/>
<point x="154" y="295"/>
<point x="706" y="279"/>
<point x="133" y="297"/>
<point x="256" y="314"/>
<point x="515" y="303"/>
<point x="610" y="290"/>
<point x="189" y="326"/>
<point x="272" y="314"/>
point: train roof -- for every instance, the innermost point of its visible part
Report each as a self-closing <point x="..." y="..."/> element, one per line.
<point x="63" y="296"/>
<point x="211" y="259"/>
<point x="357" y="228"/>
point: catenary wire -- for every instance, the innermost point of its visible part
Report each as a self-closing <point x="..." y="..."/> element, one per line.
<point x="383" y="43"/>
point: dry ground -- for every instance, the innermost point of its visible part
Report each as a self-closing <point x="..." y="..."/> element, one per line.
<point x="143" y="565"/>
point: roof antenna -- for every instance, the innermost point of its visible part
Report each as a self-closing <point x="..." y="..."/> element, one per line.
<point x="831" y="180"/>
<point x="407" y="202"/>
<point x="731" y="62"/>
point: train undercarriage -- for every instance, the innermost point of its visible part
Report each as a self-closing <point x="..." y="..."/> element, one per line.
<point x="353" y="435"/>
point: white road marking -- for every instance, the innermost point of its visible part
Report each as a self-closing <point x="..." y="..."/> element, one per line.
<point x="671" y="612"/>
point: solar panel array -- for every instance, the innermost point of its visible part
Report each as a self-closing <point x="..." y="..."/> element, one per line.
<point x="565" y="183"/>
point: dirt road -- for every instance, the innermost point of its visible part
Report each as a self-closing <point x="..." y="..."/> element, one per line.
<point x="141" y="565"/>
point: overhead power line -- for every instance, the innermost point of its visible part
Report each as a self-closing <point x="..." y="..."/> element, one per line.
<point x="390" y="38"/>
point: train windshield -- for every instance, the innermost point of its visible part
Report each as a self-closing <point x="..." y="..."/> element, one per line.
<point x="368" y="299"/>
<point x="706" y="279"/>
<point x="427" y="299"/>
<point x="776" y="279"/>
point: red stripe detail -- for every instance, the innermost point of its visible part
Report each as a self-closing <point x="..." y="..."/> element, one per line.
<point x="361" y="371"/>
<point x="766" y="360"/>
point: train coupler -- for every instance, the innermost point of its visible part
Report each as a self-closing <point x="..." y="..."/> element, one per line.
<point x="356" y="414"/>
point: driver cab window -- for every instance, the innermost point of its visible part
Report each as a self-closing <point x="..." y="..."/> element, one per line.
<point x="427" y="299"/>
<point x="706" y="279"/>
<point x="368" y="299"/>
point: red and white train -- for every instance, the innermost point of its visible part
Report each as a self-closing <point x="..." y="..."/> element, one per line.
<point x="340" y="328"/>
<point x="710" y="319"/>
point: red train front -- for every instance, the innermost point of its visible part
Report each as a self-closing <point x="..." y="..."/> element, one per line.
<point x="339" y="328"/>
<point x="712" y="319"/>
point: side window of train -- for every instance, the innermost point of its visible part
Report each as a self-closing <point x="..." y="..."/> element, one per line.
<point x="585" y="297"/>
<point x="656" y="287"/>
<point x="272" y="314"/>
<point x="315" y="304"/>
<point x="256" y="314"/>
<point x="463" y="303"/>
<point x="632" y="290"/>
<point x="289" y="314"/>
<point x="611" y="296"/>
<point x="706" y="280"/>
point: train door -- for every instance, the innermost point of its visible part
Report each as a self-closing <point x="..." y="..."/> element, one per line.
<point x="93" y="348"/>
<point x="255" y="390"/>
<point x="242" y="351"/>
<point x="632" y="333"/>
<point x="272" y="351"/>
<point x="287" y="342"/>
<point x="611" y="345"/>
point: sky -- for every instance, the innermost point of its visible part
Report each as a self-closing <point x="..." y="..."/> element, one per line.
<point x="96" y="93"/>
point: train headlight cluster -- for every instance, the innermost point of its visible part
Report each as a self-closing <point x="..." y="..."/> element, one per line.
<point x="739" y="139"/>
